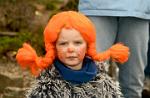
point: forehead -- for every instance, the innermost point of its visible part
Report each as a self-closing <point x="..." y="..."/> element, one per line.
<point x="69" y="34"/>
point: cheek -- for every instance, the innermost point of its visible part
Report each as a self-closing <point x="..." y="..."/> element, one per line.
<point x="60" y="53"/>
<point x="81" y="52"/>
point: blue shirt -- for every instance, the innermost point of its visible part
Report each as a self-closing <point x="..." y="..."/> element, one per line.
<point x="131" y="8"/>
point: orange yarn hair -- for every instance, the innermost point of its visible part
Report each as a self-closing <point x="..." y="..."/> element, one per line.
<point x="27" y="56"/>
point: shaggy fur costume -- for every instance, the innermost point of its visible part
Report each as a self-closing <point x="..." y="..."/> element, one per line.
<point x="51" y="85"/>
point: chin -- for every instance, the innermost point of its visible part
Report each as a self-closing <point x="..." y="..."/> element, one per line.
<point x="72" y="64"/>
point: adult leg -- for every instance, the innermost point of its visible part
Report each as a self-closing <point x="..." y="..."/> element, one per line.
<point x="133" y="32"/>
<point x="106" y="30"/>
<point x="147" y="69"/>
<point x="146" y="89"/>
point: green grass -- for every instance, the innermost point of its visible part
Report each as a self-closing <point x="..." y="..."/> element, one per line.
<point x="14" y="43"/>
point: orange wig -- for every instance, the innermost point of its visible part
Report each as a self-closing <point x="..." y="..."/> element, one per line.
<point x="27" y="56"/>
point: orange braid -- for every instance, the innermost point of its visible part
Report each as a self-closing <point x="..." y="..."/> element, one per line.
<point x="118" y="53"/>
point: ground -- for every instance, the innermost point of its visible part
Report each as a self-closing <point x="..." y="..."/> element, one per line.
<point x="13" y="81"/>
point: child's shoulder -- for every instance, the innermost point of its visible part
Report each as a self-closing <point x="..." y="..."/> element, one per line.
<point x="47" y="85"/>
<point x="48" y="74"/>
<point x="102" y="67"/>
<point x="104" y="81"/>
<point x="102" y="74"/>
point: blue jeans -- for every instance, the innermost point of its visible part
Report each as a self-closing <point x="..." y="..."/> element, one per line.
<point x="133" y="32"/>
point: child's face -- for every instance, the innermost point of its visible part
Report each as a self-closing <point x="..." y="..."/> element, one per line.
<point x="71" y="48"/>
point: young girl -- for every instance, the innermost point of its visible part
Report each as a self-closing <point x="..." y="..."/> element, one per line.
<point x="71" y="67"/>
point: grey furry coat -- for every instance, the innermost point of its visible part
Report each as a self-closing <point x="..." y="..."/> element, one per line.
<point x="51" y="85"/>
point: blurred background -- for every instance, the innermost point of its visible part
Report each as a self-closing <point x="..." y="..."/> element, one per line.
<point x="19" y="21"/>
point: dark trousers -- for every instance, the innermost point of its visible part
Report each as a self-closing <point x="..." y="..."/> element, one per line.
<point x="147" y="69"/>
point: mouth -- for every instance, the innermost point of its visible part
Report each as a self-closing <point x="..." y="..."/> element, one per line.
<point x="71" y="57"/>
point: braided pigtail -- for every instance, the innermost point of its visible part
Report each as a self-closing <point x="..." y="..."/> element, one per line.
<point x="27" y="58"/>
<point x="118" y="53"/>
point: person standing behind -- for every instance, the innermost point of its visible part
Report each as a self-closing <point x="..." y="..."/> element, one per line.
<point x="123" y="21"/>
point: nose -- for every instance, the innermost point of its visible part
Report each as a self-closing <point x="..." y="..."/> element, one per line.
<point x="70" y="48"/>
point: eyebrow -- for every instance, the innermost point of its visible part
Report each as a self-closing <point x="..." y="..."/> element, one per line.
<point x="61" y="41"/>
